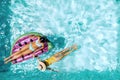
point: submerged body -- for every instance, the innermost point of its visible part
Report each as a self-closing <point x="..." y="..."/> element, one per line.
<point x="43" y="65"/>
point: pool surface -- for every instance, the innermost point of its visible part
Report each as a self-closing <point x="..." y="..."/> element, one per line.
<point x="93" y="25"/>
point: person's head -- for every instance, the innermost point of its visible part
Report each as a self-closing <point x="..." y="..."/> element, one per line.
<point x="43" y="39"/>
<point x="47" y="44"/>
<point x="41" y="66"/>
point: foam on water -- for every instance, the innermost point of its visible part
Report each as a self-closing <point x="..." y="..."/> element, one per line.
<point x="90" y="24"/>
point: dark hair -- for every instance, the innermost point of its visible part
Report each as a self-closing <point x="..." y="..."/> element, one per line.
<point x="44" y="39"/>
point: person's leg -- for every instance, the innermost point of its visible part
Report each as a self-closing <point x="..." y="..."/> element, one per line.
<point x="22" y="53"/>
<point x="60" y="54"/>
<point x="17" y="56"/>
<point x="23" y="49"/>
<point x="73" y="48"/>
<point x="66" y="51"/>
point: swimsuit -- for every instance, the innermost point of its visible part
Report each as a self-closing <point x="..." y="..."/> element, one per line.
<point x="50" y="60"/>
<point x="31" y="48"/>
<point x="37" y="43"/>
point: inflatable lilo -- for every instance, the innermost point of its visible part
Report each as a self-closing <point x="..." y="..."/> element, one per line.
<point x="27" y="46"/>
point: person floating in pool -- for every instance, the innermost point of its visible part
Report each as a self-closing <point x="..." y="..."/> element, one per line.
<point x="44" y="65"/>
<point x="33" y="46"/>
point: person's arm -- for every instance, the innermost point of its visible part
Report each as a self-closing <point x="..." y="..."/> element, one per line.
<point x="48" y="68"/>
<point x="36" y="57"/>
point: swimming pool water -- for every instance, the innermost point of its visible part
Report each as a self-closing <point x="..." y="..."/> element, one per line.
<point x="93" y="25"/>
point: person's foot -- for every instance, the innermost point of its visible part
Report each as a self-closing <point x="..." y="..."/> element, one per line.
<point x="74" y="46"/>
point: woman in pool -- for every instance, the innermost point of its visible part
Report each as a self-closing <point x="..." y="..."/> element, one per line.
<point x="43" y="65"/>
<point x="33" y="46"/>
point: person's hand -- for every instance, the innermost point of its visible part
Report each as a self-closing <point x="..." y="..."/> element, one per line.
<point x="48" y="68"/>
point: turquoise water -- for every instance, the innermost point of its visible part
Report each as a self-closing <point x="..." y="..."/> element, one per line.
<point x="93" y="25"/>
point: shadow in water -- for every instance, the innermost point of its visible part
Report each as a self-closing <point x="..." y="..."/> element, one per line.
<point x="57" y="41"/>
<point x="4" y="33"/>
